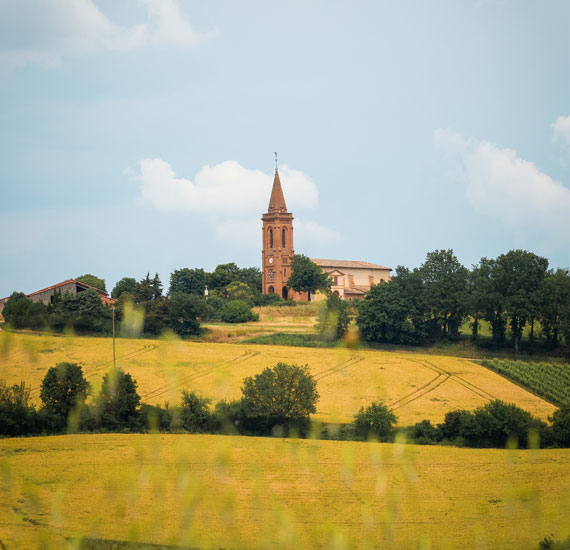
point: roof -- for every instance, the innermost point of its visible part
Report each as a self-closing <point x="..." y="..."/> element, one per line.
<point x="277" y="200"/>
<point x="104" y="295"/>
<point x="348" y="264"/>
<point x="358" y="290"/>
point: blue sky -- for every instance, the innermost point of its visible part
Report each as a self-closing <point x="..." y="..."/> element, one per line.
<point x="139" y="135"/>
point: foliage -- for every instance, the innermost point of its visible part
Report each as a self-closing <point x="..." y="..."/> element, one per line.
<point x="126" y="284"/>
<point x="155" y="418"/>
<point x="237" y="290"/>
<point x="307" y="276"/>
<point x="549" y="380"/>
<point x="555" y="310"/>
<point x="83" y="312"/>
<point x="561" y="426"/>
<point x="17" y="414"/>
<point x="288" y="339"/>
<point x="280" y="395"/>
<point x="64" y="388"/>
<point x="394" y="312"/>
<point x="237" y="311"/>
<point x="425" y="432"/>
<point x="184" y="312"/>
<point x="548" y="543"/>
<point x="195" y="413"/>
<point x="93" y="281"/>
<point x="21" y="312"/>
<point x="333" y="318"/>
<point x="376" y="421"/>
<point x="188" y="281"/>
<point x="118" y="401"/>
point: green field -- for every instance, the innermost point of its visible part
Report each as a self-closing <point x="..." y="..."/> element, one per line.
<point x="416" y="386"/>
<point x="206" y="491"/>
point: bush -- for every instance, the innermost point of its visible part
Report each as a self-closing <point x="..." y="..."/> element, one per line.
<point x="425" y="432"/>
<point x="184" y="312"/>
<point x="156" y="418"/>
<point x="237" y="311"/>
<point x="195" y="414"/>
<point x="17" y="415"/>
<point x="267" y="300"/>
<point x="20" y="312"/>
<point x="283" y="395"/>
<point x="561" y="426"/>
<point x="64" y="388"/>
<point x="376" y="421"/>
<point x="333" y="319"/>
<point x="83" y="312"/>
<point x="118" y="401"/>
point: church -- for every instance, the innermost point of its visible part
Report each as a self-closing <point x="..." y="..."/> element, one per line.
<point x="349" y="279"/>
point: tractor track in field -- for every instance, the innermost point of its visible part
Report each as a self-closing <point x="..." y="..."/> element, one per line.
<point x="432" y="385"/>
<point x="157" y="392"/>
<point x="337" y="368"/>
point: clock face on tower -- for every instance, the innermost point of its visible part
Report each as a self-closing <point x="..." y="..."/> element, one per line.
<point x="271" y="260"/>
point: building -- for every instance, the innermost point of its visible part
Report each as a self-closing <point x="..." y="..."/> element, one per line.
<point x="350" y="279"/>
<point x="353" y="279"/>
<point x="277" y="245"/>
<point x="46" y="295"/>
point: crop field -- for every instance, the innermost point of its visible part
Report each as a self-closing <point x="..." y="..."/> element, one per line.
<point x="205" y="491"/>
<point x="416" y="386"/>
<point x="550" y="380"/>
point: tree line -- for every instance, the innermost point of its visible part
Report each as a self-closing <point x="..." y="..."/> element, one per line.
<point x="513" y="292"/>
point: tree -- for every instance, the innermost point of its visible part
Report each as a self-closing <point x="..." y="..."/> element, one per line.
<point x="64" y="388"/>
<point x="280" y="395"/>
<point x="561" y="426"/>
<point x="555" y="307"/>
<point x="184" y="311"/>
<point x="251" y="276"/>
<point x="17" y="415"/>
<point x="521" y="274"/>
<point x="93" y="281"/>
<point x="21" y="312"/>
<point x="394" y="312"/>
<point x="333" y="318"/>
<point x="223" y="275"/>
<point x="445" y="291"/>
<point x="237" y="311"/>
<point x="195" y="413"/>
<point x="239" y="291"/>
<point x="126" y="284"/>
<point x="307" y="276"/>
<point x="118" y="400"/>
<point x="188" y="281"/>
<point x="375" y="421"/>
<point x="84" y="312"/>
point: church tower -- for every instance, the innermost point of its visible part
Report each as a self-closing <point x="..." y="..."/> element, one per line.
<point x="277" y="243"/>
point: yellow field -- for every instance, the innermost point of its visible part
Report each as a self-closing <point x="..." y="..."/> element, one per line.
<point x="206" y="491"/>
<point x="416" y="386"/>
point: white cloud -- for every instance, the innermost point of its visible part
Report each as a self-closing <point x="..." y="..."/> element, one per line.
<point x="231" y="198"/>
<point x="224" y="188"/>
<point x="44" y="31"/>
<point x="506" y="187"/>
<point x="561" y="131"/>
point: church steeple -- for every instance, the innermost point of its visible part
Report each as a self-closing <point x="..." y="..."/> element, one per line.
<point x="277" y="200"/>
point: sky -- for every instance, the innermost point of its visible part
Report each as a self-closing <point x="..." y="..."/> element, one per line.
<point x="139" y="136"/>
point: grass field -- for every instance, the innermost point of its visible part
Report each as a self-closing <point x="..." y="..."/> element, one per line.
<point x="248" y="493"/>
<point x="416" y="386"/>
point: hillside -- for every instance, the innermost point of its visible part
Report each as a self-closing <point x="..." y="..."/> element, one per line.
<point x="416" y="386"/>
<point x="207" y="491"/>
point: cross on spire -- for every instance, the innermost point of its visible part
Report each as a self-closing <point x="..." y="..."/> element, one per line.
<point x="276" y="161"/>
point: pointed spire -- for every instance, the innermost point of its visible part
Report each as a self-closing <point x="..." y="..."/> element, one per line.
<point x="277" y="200"/>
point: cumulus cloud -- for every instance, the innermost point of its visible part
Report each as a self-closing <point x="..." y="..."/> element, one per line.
<point x="502" y="185"/>
<point x="231" y="198"/>
<point x="561" y="131"/>
<point x="224" y="188"/>
<point x="45" y="31"/>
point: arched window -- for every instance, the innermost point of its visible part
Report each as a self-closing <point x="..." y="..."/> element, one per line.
<point x="283" y="238"/>
<point x="285" y="292"/>
<point x="270" y="238"/>
<point x="271" y="290"/>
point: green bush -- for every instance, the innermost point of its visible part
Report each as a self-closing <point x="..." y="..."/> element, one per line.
<point x="195" y="414"/>
<point x="561" y="426"/>
<point x="333" y="318"/>
<point x="17" y="414"/>
<point x="118" y="402"/>
<point x="156" y="418"/>
<point x="237" y="311"/>
<point x="425" y="432"/>
<point x="375" y="422"/>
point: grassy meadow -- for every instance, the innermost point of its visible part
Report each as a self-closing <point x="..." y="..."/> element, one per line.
<point x="416" y="386"/>
<point x="207" y="491"/>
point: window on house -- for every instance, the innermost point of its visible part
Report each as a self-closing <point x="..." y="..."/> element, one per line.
<point x="335" y="280"/>
<point x="271" y="238"/>
<point x="283" y="238"/>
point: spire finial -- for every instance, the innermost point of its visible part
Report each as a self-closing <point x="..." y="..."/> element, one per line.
<point x="276" y="161"/>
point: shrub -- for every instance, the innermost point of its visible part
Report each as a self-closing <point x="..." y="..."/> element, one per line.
<point x="64" y="388"/>
<point x="184" y="312"/>
<point x="237" y="311"/>
<point x="195" y="414"/>
<point x="283" y="395"/>
<point x="84" y="312"/>
<point x="561" y="426"/>
<point x="334" y="318"/>
<point x="20" y="312"/>
<point x="17" y="415"/>
<point x="118" y="400"/>
<point x="157" y="418"/>
<point x="375" y="421"/>
<point x="425" y="432"/>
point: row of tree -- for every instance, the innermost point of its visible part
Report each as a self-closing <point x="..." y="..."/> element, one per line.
<point x="513" y="291"/>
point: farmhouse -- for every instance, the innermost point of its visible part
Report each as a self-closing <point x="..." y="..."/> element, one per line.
<point x="350" y="279"/>
<point x="46" y="295"/>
